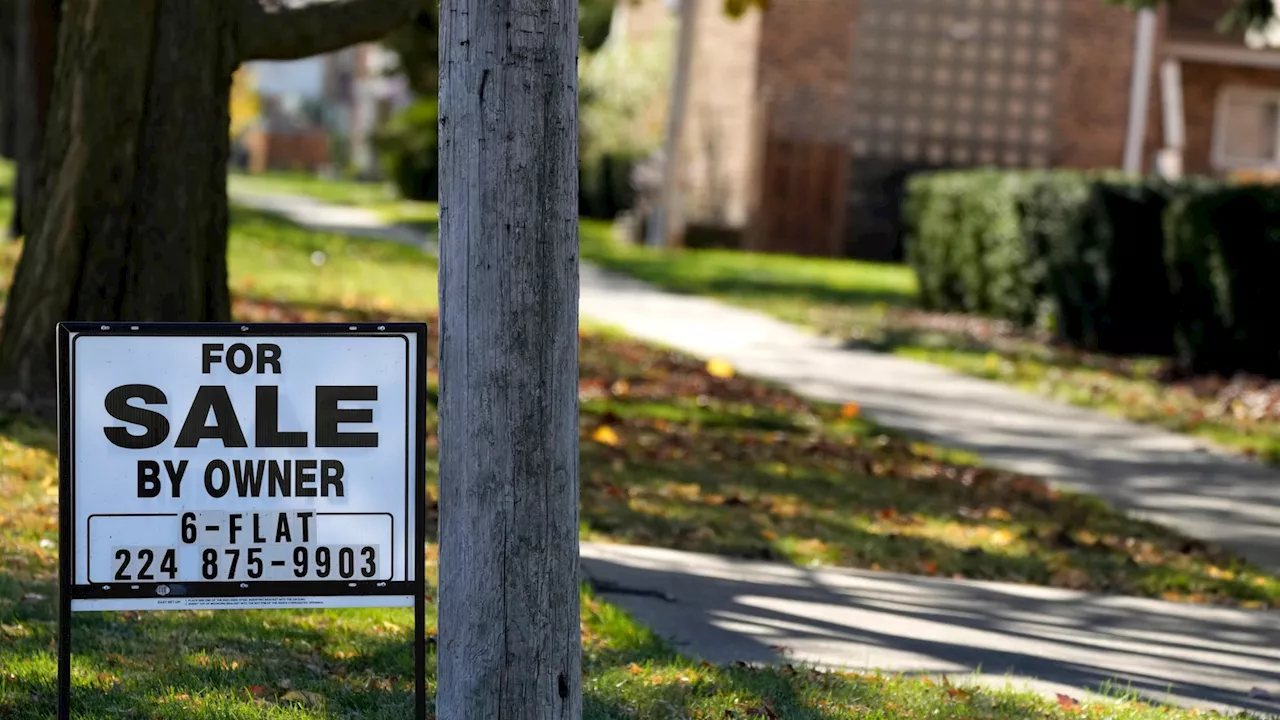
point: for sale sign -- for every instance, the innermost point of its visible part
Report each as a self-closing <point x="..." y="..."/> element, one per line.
<point x="241" y="466"/>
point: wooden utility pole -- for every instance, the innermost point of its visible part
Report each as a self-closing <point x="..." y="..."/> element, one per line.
<point x="509" y="637"/>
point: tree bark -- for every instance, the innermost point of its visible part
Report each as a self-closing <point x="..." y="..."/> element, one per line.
<point x="35" y="38"/>
<point x="289" y="33"/>
<point x="131" y="218"/>
<point x="126" y="211"/>
<point x="509" y="636"/>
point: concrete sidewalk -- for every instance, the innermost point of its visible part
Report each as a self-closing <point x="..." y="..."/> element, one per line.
<point x="327" y="217"/>
<point x="725" y="610"/>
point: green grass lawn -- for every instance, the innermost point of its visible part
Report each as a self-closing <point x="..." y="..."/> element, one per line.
<point x="335" y="190"/>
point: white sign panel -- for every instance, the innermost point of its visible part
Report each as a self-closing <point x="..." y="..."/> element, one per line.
<point x="242" y="466"/>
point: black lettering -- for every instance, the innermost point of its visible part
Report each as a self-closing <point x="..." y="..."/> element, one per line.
<point x="266" y="424"/>
<point x="249" y="481"/>
<point x="155" y="425"/>
<point x="235" y="527"/>
<point x="243" y="365"/>
<point x="257" y="529"/>
<point x="175" y="474"/>
<point x="217" y="490"/>
<point x="331" y="472"/>
<point x="280" y="480"/>
<point x="148" y="478"/>
<point x="268" y="355"/>
<point x="306" y="525"/>
<point x="226" y="427"/>
<point x="211" y="356"/>
<point x="329" y="416"/>
<point x="283" y="534"/>
<point x="306" y="478"/>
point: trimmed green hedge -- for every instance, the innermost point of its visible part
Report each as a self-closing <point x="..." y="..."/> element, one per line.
<point x="409" y="149"/>
<point x="1126" y="265"/>
<point x="1223" y="255"/>
<point x="966" y="243"/>
<point x="1111" y="286"/>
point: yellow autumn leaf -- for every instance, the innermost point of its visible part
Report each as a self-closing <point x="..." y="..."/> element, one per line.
<point x="606" y="435"/>
<point x="719" y="368"/>
<point x="303" y="697"/>
<point x="1001" y="537"/>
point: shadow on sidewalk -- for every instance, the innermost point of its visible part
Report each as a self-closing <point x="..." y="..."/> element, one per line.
<point x="726" y="611"/>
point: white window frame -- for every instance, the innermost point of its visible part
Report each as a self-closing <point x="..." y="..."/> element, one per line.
<point x="1220" y="159"/>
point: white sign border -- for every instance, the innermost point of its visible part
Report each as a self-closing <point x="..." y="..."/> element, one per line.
<point x="278" y="594"/>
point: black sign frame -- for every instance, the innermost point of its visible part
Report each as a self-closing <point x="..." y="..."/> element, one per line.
<point x="68" y="590"/>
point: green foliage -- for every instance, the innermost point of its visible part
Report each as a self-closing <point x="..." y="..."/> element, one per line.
<point x="1089" y="245"/>
<point x="1112" y="291"/>
<point x="1048" y="209"/>
<point x="1242" y="14"/>
<point x="966" y="243"/>
<point x="594" y="19"/>
<point x="408" y="146"/>
<point x="622" y="95"/>
<point x="1223" y="250"/>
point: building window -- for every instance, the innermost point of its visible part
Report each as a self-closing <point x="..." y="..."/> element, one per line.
<point x="1247" y="130"/>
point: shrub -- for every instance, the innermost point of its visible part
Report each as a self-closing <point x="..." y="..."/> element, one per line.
<point x="1049" y="208"/>
<point x="408" y="147"/>
<point x="604" y="185"/>
<point x="966" y="244"/>
<point x="1223" y="248"/>
<point x="1109" y="278"/>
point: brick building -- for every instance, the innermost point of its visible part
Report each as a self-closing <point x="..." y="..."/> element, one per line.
<point x="804" y="119"/>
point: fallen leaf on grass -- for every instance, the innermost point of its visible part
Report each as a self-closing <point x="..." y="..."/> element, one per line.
<point x="257" y="691"/>
<point x="303" y="697"/>
<point x="850" y="411"/>
<point x="1066" y="702"/>
<point x="606" y="435"/>
<point x="764" y="709"/>
<point x="719" y="368"/>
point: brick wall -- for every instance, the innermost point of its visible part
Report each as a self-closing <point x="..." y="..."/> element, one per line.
<point x="719" y="134"/>
<point x="1093" y="85"/>
<point x="806" y="64"/>
<point x="301" y="151"/>
<point x="1201" y="85"/>
<point x="1196" y="21"/>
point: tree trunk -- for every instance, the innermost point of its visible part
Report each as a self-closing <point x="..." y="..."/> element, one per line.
<point x="35" y="50"/>
<point x="130" y="220"/>
<point x="509" y="636"/>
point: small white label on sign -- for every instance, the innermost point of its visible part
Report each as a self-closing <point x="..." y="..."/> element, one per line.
<point x="256" y="469"/>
